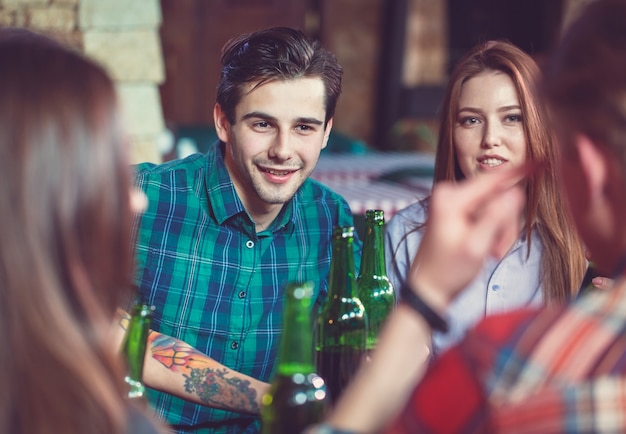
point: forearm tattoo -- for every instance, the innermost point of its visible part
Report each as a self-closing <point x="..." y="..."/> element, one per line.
<point x="211" y="385"/>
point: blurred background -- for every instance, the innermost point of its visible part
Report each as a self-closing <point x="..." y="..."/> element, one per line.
<point x="396" y="56"/>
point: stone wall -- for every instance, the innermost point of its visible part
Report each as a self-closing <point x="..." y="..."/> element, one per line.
<point x="121" y="35"/>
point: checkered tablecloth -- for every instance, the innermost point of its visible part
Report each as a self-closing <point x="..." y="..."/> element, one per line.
<point x="360" y="179"/>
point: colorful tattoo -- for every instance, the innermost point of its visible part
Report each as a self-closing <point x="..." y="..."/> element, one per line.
<point x="171" y="352"/>
<point x="207" y="383"/>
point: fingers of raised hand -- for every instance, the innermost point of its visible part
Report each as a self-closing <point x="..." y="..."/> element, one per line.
<point x="603" y="282"/>
<point x="467" y="223"/>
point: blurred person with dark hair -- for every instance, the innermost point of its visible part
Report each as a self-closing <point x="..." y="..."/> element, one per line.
<point x="65" y="257"/>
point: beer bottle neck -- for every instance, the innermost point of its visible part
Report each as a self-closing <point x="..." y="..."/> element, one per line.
<point x="134" y="347"/>
<point x="342" y="276"/>
<point x="296" y="345"/>
<point x="373" y="259"/>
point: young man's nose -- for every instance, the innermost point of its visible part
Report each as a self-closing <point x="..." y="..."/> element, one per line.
<point x="281" y="147"/>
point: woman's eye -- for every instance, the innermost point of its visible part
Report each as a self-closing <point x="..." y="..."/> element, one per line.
<point x="514" y="118"/>
<point x="470" y="120"/>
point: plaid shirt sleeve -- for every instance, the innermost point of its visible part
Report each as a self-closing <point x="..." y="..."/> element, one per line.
<point x="595" y="406"/>
<point x="449" y="400"/>
<point x="553" y="370"/>
<point x="451" y="397"/>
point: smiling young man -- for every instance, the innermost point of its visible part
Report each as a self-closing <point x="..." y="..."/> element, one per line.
<point x="226" y="230"/>
<point x="274" y="141"/>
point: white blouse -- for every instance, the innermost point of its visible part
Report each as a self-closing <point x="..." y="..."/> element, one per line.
<point x="500" y="286"/>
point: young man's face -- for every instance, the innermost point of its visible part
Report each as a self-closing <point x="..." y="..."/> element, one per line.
<point x="276" y="140"/>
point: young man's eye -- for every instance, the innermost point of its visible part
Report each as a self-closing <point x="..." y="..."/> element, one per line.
<point x="261" y="124"/>
<point x="304" y="128"/>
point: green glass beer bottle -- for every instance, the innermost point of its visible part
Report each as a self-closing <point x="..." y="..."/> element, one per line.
<point x="374" y="288"/>
<point x="297" y="395"/>
<point x="134" y="347"/>
<point x="341" y="329"/>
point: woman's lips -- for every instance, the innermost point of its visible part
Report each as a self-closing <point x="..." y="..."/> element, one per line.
<point x="491" y="161"/>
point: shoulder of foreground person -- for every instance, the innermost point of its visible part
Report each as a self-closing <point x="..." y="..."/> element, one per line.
<point x="503" y="327"/>
<point x="457" y="379"/>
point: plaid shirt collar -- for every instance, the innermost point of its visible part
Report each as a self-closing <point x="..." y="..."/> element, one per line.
<point x="227" y="205"/>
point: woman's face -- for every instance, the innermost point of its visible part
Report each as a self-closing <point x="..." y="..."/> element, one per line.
<point x="488" y="132"/>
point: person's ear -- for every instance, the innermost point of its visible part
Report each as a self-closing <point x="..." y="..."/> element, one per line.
<point x="329" y="127"/>
<point x="594" y="167"/>
<point x="222" y="125"/>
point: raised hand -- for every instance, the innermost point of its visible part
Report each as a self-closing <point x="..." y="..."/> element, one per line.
<point x="468" y="221"/>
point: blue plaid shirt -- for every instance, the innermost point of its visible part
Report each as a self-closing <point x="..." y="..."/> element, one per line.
<point x="215" y="282"/>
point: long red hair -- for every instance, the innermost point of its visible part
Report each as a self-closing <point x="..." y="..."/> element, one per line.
<point x="563" y="260"/>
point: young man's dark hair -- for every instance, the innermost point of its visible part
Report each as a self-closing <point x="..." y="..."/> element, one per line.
<point x="278" y="53"/>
